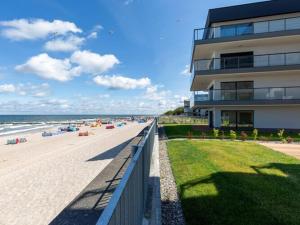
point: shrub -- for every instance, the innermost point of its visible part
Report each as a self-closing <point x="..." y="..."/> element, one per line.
<point x="222" y="136"/>
<point x="189" y="135"/>
<point x="244" y="136"/>
<point x="280" y="134"/>
<point x="271" y="136"/>
<point x="255" y="134"/>
<point x="216" y="133"/>
<point x="203" y="135"/>
<point x="263" y="138"/>
<point x="289" y="140"/>
<point x="232" y="135"/>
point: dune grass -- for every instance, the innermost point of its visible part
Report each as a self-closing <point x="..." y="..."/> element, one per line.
<point x="224" y="182"/>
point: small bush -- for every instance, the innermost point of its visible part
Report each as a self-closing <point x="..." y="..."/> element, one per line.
<point x="289" y="140"/>
<point x="189" y="135"/>
<point x="232" y="135"/>
<point x="280" y="134"/>
<point x="216" y="133"/>
<point x="244" y="136"/>
<point x="203" y="135"/>
<point x="222" y="136"/>
<point x="263" y="138"/>
<point x="271" y="136"/>
<point x="255" y="134"/>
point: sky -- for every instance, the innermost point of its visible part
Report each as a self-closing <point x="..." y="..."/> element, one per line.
<point x="97" y="56"/>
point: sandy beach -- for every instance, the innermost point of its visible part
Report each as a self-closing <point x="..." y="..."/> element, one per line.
<point x="40" y="177"/>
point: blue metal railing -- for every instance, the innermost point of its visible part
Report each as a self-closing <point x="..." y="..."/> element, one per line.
<point x="127" y="205"/>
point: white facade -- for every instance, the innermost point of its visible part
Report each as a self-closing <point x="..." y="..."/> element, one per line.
<point x="274" y="74"/>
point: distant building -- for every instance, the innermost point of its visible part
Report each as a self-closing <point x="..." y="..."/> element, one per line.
<point x="248" y="60"/>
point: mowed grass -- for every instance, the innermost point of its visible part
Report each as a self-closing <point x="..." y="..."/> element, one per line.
<point x="235" y="183"/>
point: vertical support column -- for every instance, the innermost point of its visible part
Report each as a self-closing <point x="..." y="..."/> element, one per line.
<point x="217" y="117"/>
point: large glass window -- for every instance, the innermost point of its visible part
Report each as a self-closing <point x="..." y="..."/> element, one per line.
<point x="237" y="60"/>
<point x="237" y="90"/>
<point x="237" y="119"/>
<point x="236" y="30"/>
<point x="245" y="118"/>
<point x="228" y="119"/>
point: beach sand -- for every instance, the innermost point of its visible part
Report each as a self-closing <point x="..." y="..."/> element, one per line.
<point x="39" y="178"/>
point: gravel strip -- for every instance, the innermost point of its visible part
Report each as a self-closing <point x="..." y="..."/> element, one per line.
<point x="170" y="203"/>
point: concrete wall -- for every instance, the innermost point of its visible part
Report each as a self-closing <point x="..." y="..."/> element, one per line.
<point x="275" y="117"/>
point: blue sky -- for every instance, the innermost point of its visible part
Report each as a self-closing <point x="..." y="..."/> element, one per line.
<point x="97" y="56"/>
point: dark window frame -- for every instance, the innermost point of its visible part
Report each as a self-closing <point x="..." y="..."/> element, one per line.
<point x="237" y="125"/>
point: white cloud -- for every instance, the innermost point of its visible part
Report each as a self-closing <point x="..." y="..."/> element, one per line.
<point x="49" y="68"/>
<point x="93" y="35"/>
<point x="65" y="69"/>
<point x="7" y="88"/>
<point x="121" y="82"/>
<point x="24" y="29"/>
<point x="93" y="63"/>
<point x="64" y="44"/>
<point x="186" y="71"/>
<point x="153" y="93"/>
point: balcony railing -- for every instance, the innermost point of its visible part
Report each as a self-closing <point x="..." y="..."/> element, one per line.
<point x="251" y="61"/>
<point x="260" y="27"/>
<point x="253" y="94"/>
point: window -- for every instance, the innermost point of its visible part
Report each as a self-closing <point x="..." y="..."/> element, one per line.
<point x="237" y="60"/>
<point x="236" y="30"/>
<point x="237" y="119"/>
<point x="237" y="90"/>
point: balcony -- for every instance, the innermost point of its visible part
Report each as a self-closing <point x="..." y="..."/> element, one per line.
<point x="254" y="96"/>
<point x="243" y="29"/>
<point x="240" y="63"/>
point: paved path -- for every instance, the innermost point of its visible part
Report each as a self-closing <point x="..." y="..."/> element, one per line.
<point x="87" y="207"/>
<point x="289" y="149"/>
<point x="36" y="187"/>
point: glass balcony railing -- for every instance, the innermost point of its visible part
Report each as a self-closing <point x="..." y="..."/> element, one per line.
<point x="260" y="27"/>
<point x="252" y="61"/>
<point x="254" y="94"/>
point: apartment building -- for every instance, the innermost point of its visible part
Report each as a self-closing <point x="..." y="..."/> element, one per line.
<point x="248" y="60"/>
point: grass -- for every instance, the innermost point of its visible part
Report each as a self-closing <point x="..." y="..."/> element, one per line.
<point x="225" y="183"/>
<point x="182" y="120"/>
<point x="183" y="130"/>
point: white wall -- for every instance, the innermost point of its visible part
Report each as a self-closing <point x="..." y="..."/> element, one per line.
<point x="275" y="117"/>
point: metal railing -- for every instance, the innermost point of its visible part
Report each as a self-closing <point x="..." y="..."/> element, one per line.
<point x="127" y="204"/>
<point x="248" y="61"/>
<point x="253" y="94"/>
<point x="266" y="26"/>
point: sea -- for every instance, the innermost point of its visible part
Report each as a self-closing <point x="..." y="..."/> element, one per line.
<point x="13" y="124"/>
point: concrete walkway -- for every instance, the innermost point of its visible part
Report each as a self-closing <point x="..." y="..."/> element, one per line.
<point x="289" y="149"/>
<point x="87" y="207"/>
<point x="44" y="176"/>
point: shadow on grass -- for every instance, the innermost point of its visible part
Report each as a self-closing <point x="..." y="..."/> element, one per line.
<point x="245" y="198"/>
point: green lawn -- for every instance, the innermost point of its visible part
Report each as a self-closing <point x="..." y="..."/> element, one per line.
<point x="182" y="120"/>
<point x="182" y="130"/>
<point x="235" y="183"/>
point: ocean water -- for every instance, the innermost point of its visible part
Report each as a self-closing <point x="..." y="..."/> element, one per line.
<point x="13" y="124"/>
